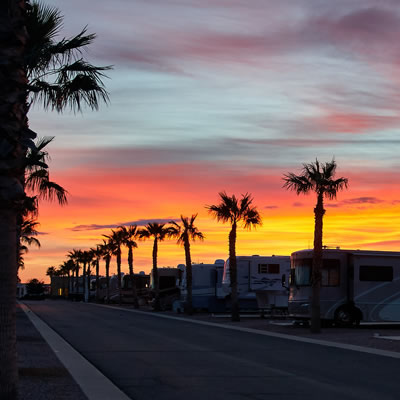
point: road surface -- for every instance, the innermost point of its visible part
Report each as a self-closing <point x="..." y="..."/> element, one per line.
<point x="161" y="359"/>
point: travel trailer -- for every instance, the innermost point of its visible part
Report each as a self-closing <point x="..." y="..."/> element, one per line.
<point x="356" y="285"/>
<point x="169" y="282"/>
<point x="206" y="287"/>
<point x="262" y="281"/>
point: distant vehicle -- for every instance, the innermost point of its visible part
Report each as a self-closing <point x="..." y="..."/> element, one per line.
<point x="21" y="290"/>
<point x="206" y="287"/>
<point x="357" y="285"/>
<point x="262" y="281"/>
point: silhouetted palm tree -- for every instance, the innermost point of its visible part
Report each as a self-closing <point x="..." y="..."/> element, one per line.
<point x="318" y="178"/>
<point x="76" y="256"/>
<point x="15" y="136"/>
<point x="129" y="234"/>
<point x="116" y="240"/>
<point x="97" y="253"/>
<point x="185" y="232"/>
<point x="106" y="254"/>
<point x="235" y="211"/>
<point x="26" y="62"/>
<point x="159" y="232"/>
<point x="58" y="74"/>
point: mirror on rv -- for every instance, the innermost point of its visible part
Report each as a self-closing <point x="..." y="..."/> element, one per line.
<point x="284" y="281"/>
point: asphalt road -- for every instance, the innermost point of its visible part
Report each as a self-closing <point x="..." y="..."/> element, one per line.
<point x="156" y="358"/>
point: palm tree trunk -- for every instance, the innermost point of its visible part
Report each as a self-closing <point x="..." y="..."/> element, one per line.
<point x="119" y="275"/>
<point x="97" y="279"/>
<point x="157" y="303"/>
<point x="233" y="273"/>
<point x="189" y="277"/>
<point x="84" y="280"/>
<point x="132" y="276"/>
<point x="76" y="289"/>
<point x="87" y="291"/>
<point x="13" y="81"/>
<point x="108" y="280"/>
<point x="317" y="266"/>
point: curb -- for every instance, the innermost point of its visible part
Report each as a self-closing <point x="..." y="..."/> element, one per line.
<point x="93" y="383"/>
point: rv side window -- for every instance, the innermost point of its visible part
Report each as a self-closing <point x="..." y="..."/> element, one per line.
<point x="330" y="273"/>
<point x="375" y="273"/>
<point x="302" y="272"/>
<point x="263" y="268"/>
<point x="268" y="268"/>
<point x="273" y="268"/>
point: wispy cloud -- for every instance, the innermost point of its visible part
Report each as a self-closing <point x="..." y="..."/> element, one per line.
<point x="139" y="222"/>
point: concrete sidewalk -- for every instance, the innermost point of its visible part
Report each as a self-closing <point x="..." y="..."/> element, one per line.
<point x="41" y="374"/>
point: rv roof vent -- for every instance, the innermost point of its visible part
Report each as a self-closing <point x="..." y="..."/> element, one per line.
<point x="142" y="273"/>
<point x="219" y="261"/>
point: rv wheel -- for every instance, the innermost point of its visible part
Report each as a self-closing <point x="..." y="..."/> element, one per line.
<point x="344" y="317"/>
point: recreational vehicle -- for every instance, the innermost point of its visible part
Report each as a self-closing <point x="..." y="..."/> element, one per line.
<point x="206" y="287"/>
<point x="169" y="281"/>
<point x="356" y="285"/>
<point x="262" y="281"/>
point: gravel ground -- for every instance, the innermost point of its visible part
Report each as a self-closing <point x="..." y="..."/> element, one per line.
<point x="41" y="374"/>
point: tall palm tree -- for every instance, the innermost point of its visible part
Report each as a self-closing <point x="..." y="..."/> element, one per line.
<point x="159" y="232"/>
<point x="318" y="178"/>
<point x="97" y="253"/>
<point x="129" y="235"/>
<point x="106" y="254"/>
<point x="15" y="136"/>
<point x="116" y="240"/>
<point x="86" y="258"/>
<point x="26" y="63"/>
<point x="185" y="232"/>
<point x="58" y="74"/>
<point x="235" y="211"/>
<point x="76" y="256"/>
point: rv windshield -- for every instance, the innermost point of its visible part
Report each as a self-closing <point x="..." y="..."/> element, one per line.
<point x="302" y="272"/>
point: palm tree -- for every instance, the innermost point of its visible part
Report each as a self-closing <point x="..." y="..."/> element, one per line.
<point x="15" y="136"/>
<point x="129" y="235"/>
<point x="318" y="178"/>
<point x="159" y="232"/>
<point x="115" y="241"/>
<point x="76" y="256"/>
<point x="185" y="232"/>
<point x="27" y="61"/>
<point x="106" y="253"/>
<point x="234" y="211"/>
<point x="97" y="253"/>
<point x="58" y="74"/>
<point x="85" y="259"/>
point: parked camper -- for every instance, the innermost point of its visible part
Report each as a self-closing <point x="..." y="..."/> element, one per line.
<point x="169" y="281"/>
<point x="206" y="286"/>
<point x="261" y="281"/>
<point x="356" y="285"/>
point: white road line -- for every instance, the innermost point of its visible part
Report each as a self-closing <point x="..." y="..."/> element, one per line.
<point x="362" y="349"/>
<point x="93" y="383"/>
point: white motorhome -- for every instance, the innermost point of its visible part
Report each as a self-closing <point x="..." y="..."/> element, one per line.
<point x="262" y="281"/>
<point x="356" y="285"/>
<point x="206" y="286"/>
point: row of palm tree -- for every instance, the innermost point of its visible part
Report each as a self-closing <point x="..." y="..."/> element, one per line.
<point x="230" y="209"/>
<point x="315" y="177"/>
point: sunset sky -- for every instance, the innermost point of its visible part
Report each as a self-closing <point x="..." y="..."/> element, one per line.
<point x="228" y="95"/>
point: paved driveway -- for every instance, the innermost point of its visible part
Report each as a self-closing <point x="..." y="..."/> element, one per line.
<point x="156" y="358"/>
